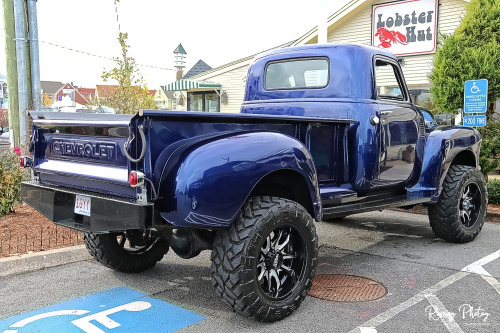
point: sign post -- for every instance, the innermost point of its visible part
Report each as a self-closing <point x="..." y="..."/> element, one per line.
<point x="475" y="102"/>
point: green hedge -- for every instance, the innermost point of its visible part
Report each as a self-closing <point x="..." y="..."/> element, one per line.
<point x="494" y="191"/>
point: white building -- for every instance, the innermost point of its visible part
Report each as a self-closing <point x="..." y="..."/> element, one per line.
<point x="411" y="29"/>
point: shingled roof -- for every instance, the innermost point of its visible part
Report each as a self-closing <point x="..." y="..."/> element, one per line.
<point x="51" y="87"/>
<point x="198" y="68"/>
<point x="105" y="91"/>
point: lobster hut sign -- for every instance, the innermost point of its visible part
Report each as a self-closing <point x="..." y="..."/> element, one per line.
<point x="405" y="27"/>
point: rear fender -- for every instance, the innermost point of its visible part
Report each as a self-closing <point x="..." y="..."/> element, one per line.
<point x="213" y="179"/>
<point x="443" y="145"/>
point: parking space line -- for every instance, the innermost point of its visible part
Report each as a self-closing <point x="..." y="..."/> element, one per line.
<point x="478" y="268"/>
<point x="493" y="282"/>
<point x="487" y="277"/>
<point x="392" y="312"/>
<point x="447" y="318"/>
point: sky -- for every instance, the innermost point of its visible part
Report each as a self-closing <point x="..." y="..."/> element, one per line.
<point x="217" y="32"/>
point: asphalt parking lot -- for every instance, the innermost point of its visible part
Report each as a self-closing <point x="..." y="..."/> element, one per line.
<point x="432" y="286"/>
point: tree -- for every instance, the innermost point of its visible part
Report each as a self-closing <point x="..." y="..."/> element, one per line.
<point x="132" y="93"/>
<point x="46" y="100"/>
<point x="472" y="52"/>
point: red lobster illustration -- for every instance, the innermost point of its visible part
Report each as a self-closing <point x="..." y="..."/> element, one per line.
<point x="388" y="37"/>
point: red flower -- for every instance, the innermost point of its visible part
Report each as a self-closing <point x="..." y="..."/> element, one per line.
<point x="17" y="150"/>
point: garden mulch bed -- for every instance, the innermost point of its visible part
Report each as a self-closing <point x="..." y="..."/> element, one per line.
<point x="26" y="230"/>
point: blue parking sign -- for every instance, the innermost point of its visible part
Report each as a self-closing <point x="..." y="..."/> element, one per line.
<point x="475" y="121"/>
<point x="476" y="96"/>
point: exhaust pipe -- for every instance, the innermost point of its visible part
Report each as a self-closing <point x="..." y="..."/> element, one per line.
<point x="188" y="243"/>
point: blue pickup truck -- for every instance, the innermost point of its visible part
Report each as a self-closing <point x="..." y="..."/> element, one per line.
<point x="324" y="131"/>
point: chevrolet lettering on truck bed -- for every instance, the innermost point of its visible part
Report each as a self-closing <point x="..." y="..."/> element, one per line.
<point x="324" y="131"/>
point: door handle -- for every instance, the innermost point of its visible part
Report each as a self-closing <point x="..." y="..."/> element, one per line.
<point x="385" y="113"/>
<point x="374" y="120"/>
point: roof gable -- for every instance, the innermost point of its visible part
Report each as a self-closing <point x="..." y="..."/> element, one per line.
<point x="198" y="68"/>
<point x="105" y="91"/>
<point x="180" y="49"/>
<point x="51" y="87"/>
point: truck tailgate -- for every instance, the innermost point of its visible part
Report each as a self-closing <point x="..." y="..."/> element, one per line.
<point x="82" y="151"/>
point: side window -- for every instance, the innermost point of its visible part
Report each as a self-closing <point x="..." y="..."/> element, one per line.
<point x="297" y="74"/>
<point x="388" y="86"/>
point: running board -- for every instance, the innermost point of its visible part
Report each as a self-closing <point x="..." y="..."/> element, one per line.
<point x="361" y="207"/>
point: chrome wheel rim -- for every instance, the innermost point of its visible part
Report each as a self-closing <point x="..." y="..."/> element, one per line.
<point x="281" y="262"/>
<point x="470" y="205"/>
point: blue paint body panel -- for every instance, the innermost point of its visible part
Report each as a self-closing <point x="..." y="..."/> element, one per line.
<point x="204" y="166"/>
<point x="160" y="316"/>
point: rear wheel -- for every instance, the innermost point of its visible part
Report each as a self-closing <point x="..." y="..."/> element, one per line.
<point x="459" y="214"/>
<point x="131" y="251"/>
<point x="263" y="264"/>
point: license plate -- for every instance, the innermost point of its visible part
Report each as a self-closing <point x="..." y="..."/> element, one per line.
<point x="82" y="205"/>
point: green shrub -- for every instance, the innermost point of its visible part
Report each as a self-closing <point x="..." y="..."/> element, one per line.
<point x="11" y="176"/>
<point x="494" y="191"/>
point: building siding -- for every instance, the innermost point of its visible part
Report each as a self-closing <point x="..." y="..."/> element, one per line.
<point x="354" y="27"/>
<point x="232" y="80"/>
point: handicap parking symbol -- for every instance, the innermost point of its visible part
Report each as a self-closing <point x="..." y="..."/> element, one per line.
<point x="115" y="310"/>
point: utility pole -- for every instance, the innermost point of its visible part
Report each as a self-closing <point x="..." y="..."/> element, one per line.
<point x="10" y="52"/>
<point x="22" y="70"/>
<point x="36" y="89"/>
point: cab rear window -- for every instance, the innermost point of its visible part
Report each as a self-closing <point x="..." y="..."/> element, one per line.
<point x="297" y="74"/>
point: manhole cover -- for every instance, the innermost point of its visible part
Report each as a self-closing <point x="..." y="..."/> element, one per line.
<point x="346" y="288"/>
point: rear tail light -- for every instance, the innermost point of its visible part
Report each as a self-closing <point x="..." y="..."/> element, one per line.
<point x="136" y="178"/>
<point x="25" y="162"/>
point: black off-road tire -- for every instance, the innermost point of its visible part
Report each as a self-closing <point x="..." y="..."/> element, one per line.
<point x="447" y="217"/>
<point x="111" y="252"/>
<point x="243" y="255"/>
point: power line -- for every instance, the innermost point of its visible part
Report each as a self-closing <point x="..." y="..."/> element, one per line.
<point x="100" y="56"/>
<point x="117" y="20"/>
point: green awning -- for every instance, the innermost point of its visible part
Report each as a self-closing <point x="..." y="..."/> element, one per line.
<point x="184" y="84"/>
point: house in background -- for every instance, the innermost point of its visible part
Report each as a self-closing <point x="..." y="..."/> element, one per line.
<point x="104" y="93"/>
<point x="88" y="93"/>
<point x="63" y="94"/>
<point x="165" y="100"/>
<point x="194" y="95"/>
<point x="4" y="101"/>
<point x="50" y="88"/>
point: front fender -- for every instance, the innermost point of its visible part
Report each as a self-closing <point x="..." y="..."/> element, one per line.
<point x="442" y="146"/>
<point x="215" y="178"/>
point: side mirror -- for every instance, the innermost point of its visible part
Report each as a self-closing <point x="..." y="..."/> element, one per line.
<point x="429" y="119"/>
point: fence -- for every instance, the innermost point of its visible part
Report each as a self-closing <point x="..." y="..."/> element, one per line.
<point x="23" y="238"/>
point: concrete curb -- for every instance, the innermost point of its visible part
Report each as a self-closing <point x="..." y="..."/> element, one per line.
<point x="34" y="261"/>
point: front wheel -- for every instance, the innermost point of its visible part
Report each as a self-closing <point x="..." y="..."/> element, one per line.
<point x="263" y="264"/>
<point x="131" y="251"/>
<point x="459" y="214"/>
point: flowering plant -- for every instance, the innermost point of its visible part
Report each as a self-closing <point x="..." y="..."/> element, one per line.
<point x="11" y="176"/>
